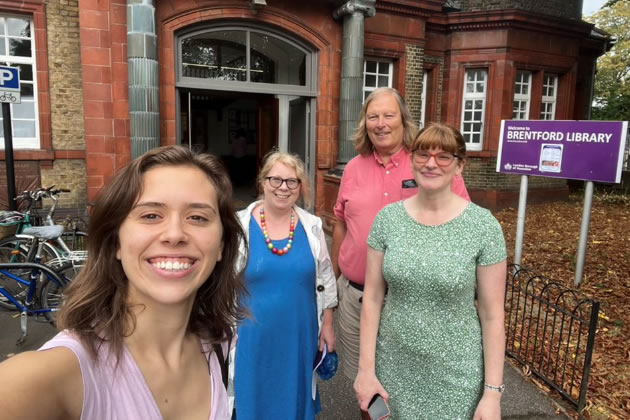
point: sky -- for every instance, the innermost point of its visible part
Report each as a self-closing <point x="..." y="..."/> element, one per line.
<point x="590" y="6"/>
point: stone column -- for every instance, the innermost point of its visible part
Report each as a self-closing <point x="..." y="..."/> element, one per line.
<point x="351" y="94"/>
<point x="144" y="116"/>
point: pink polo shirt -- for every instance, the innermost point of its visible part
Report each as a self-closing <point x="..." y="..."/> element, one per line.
<point x="367" y="185"/>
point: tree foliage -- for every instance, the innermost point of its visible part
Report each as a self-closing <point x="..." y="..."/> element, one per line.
<point x="612" y="81"/>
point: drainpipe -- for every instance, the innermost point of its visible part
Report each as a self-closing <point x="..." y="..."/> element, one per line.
<point x="351" y="94"/>
<point x="144" y="116"/>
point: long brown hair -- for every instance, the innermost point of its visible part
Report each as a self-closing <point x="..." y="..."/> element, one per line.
<point x="96" y="307"/>
<point x="362" y="143"/>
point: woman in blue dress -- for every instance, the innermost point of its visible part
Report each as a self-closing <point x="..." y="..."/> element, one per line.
<point x="292" y="292"/>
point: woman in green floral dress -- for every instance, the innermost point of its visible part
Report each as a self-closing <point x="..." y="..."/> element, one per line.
<point x="433" y="352"/>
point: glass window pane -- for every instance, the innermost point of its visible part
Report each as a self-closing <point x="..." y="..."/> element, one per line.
<point x="476" y="138"/>
<point x="383" y="81"/>
<point x="3" y="47"/>
<point x="478" y="104"/>
<point x="23" y="128"/>
<point x="383" y="67"/>
<point x="370" y="80"/>
<point x="26" y="72"/>
<point x="2" y="27"/>
<point x="477" y="116"/>
<point x="477" y="127"/>
<point x="23" y="110"/>
<point x="215" y="55"/>
<point x="276" y="61"/>
<point x="467" y="115"/>
<point x="470" y="88"/>
<point x="18" y="27"/>
<point x="467" y="127"/>
<point x="26" y="89"/>
<point x="481" y="87"/>
<point x="20" y="47"/>
<point x="468" y="104"/>
<point x="370" y="66"/>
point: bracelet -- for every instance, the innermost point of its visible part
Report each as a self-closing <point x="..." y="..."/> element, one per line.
<point x="498" y="389"/>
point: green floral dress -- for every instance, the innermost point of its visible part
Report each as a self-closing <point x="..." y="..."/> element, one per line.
<point x="429" y="350"/>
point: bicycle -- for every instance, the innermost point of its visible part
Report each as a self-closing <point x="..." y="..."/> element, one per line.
<point x="69" y="246"/>
<point x="41" y="292"/>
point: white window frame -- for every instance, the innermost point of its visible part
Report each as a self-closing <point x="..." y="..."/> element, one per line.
<point x="549" y="95"/>
<point x="478" y="101"/>
<point x="522" y="95"/>
<point x="22" y="142"/>
<point x="368" y="89"/>
<point x="423" y="98"/>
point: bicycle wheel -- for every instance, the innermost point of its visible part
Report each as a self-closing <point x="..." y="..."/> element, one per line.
<point x="75" y="239"/>
<point x="51" y="292"/>
<point x="22" y="247"/>
<point x="9" y="253"/>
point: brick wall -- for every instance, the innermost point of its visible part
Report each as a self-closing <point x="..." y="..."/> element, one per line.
<point x="569" y="9"/>
<point x="64" y="63"/>
<point x="413" y="79"/>
<point x="480" y="173"/>
<point x="69" y="174"/>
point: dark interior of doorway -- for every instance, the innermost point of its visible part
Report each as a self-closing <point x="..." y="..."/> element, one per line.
<point x="239" y="127"/>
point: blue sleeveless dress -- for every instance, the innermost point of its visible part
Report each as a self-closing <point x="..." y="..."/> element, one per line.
<point x="277" y="346"/>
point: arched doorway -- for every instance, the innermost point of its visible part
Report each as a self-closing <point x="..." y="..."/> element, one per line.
<point x="243" y="90"/>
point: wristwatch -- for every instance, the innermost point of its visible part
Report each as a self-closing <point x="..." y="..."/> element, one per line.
<point x="498" y="389"/>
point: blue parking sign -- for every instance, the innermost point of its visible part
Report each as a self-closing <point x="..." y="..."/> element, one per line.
<point x="9" y="78"/>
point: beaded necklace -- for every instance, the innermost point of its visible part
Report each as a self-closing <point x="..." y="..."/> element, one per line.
<point x="272" y="248"/>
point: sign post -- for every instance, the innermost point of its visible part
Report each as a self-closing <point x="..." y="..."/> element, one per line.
<point x="584" y="150"/>
<point x="9" y="94"/>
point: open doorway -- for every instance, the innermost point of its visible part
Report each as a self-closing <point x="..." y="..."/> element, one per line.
<point x="239" y="127"/>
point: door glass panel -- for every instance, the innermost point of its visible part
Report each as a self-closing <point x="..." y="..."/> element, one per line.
<point x="298" y="134"/>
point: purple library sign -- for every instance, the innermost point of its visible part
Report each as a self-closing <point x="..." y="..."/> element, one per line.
<point x="586" y="150"/>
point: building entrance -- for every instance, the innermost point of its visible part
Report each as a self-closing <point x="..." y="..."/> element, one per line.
<point x="241" y="128"/>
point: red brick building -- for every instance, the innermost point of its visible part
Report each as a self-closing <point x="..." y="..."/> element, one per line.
<point x="274" y="71"/>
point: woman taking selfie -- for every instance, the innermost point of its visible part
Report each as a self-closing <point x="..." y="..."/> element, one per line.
<point x="159" y="290"/>
<point x="436" y="354"/>
<point x="292" y="292"/>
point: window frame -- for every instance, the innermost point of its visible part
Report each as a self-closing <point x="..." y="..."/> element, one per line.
<point x="546" y="99"/>
<point x="520" y="98"/>
<point x="473" y="97"/>
<point x="423" y="98"/>
<point x="311" y="64"/>
<point x="23" y="143"/>
<point x="366" y="90"/>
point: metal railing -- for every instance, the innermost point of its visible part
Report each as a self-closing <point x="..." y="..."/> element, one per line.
<point x="551" y="330"/>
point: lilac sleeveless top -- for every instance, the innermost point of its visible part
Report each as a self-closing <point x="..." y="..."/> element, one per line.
<point x="111" y="393"/>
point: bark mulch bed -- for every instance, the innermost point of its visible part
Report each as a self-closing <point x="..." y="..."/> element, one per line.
<point x="549" y="248"/>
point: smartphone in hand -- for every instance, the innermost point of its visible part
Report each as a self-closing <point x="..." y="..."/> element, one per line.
<point x="378" y="409"/>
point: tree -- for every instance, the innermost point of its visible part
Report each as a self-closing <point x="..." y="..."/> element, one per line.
<point x="612" y="81"/>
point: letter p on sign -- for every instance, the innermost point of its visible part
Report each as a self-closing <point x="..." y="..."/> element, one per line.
<point x="9" y="78"/>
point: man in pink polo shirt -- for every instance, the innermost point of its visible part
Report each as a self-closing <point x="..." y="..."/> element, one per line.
<point x="379" y="175"/>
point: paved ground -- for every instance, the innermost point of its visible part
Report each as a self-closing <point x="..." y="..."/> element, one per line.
<point x="522" y="400"/>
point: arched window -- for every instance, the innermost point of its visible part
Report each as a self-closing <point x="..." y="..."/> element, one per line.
<point x="240" y="58"/>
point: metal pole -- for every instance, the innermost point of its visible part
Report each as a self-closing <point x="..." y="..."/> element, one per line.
<point x="8" y="154"/>
<point x="586" y="220"/>
<point x="520" y="221"/>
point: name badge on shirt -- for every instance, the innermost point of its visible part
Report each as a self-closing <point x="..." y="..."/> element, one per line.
<point x="409" y="183"/>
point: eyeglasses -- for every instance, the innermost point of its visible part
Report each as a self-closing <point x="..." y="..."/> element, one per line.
<point x="442" y="159"/>
<point x="276" y="182"/>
